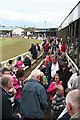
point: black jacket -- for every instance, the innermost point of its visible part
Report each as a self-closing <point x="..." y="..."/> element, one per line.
<point x="6" y="107"/>
<point x="64" y="76"/>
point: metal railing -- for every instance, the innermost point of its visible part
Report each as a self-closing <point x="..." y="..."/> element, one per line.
<point x="72" y="64"/>
<point x="14" y="59"/>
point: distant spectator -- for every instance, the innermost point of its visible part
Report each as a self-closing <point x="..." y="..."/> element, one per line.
<point x="33" y="51"/>
<point x="63" y="47"/>
<point x="38" y="47"/>
<point x="46" y="61"/>
<point x="19" y="63"/>
<point x="46" y="48"/>
<point x="54" y="47"/>
<point x="10" y="66"/>
<point x="27" y="61"/>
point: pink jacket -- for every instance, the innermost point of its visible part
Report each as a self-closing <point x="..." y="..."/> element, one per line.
<point x="19" y="64"/>
<point x="52" y="88"/>
<point x="18" y="88"/>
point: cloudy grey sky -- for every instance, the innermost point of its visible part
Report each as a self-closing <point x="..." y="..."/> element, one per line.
<point x="34" y="13"/>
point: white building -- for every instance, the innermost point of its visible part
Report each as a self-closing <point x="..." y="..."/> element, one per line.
<point x="18" y="31"/>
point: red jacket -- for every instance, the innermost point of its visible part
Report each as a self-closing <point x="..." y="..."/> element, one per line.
<point x="63" y="48"/>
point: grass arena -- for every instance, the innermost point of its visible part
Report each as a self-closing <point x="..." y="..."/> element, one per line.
<point x="11" y="47"/>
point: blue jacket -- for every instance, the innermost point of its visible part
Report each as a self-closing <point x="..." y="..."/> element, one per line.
<point x="34" y="100"/>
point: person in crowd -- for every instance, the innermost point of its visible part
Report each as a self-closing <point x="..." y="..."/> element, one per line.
<point x="7" y="97"/>
<point x="58" y="102"/>
<point x="38" y="47"/>
<point x="34" y="97"/>
<point x="46" y="48"/>
<point x="15" y="69"/>
<point x="54" y="47"/>
<point x="63" y="58"/>
<point x="27" y="61"/>
<point x="52" y="88"/>
<point x="73" y="104"/>
<point x="46" y="61"/>
<point x="10" y="65"/>
<point x="52" y="67"/>
<point x="18" y="85"/>
<point x="33" y="51"/>
<point x="65" y="114"/>
<point x="64" y="74"/>
<point x="72" y="80"/>
<point x="63" y="47"/>
<point x="19" y="63"/>
<point x="76" y="83"/>
<point x="5" y="71"/>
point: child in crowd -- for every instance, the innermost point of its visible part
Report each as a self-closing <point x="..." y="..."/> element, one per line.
<point x="58" y="103"/>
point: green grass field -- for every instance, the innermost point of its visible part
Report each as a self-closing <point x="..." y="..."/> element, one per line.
<point x="11" y="47"/>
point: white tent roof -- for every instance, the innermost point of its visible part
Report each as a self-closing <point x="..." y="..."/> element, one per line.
<point x="18" y="31"/>
<point x="28" y="33"/>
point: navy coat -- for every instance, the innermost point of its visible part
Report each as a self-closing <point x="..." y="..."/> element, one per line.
<point x="34" y="100"/>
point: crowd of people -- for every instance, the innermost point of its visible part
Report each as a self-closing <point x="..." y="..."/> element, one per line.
<point x="54" y="82"/>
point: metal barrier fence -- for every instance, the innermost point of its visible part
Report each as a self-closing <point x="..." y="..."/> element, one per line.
<point x="74" y="49"/>
<point x="14" y="59"/>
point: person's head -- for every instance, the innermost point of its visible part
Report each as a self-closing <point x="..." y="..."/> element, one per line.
<point x="19" y="58"/>
<point x="53" y="58"/>
<point x="19" y="73"/>
<point x="36" y="74"/>
<point x="37" y="44"/>
<point x="10" y="62"/>
<point x="56" y="78"/>
<point x="5" y="71"/>
<point x="59" y="89"/>
<point x="73" y="101"/>
<point x="6" y="82"/>
<point x="63" y="66"/>
<point x="32" y="44"/>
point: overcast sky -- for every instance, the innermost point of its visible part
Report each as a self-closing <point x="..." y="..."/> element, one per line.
<point x="35" y="13"/>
